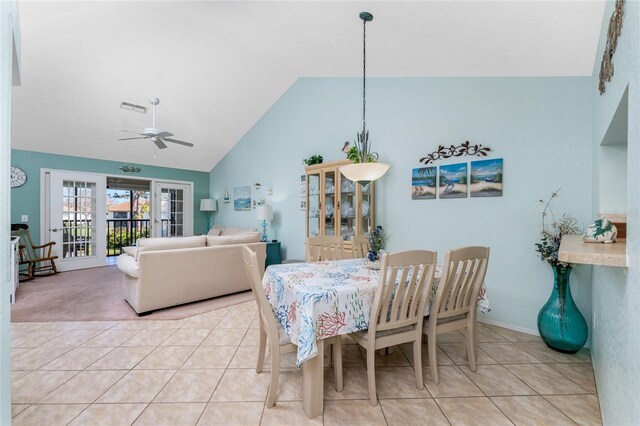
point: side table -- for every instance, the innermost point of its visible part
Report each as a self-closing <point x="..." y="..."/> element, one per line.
<point x="274" y="253"/>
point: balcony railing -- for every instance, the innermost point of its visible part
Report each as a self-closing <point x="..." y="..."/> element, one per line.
<point x="125" y="232"/>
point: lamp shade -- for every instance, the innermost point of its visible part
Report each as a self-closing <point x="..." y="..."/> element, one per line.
<point x="264" y="212"/>
<point x="208" y="205"/>
<point x="364" y="172"/>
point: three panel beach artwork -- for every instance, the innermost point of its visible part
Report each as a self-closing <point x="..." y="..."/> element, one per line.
<point x="481" y="178"/>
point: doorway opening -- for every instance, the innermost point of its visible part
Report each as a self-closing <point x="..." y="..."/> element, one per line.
<point x="128" y="213"/>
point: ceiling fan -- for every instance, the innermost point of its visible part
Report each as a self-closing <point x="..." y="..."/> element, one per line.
<point x="157" y="136"/>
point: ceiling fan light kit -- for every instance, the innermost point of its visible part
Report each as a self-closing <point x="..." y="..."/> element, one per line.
<point x="157" y="136"/>
<point x="366" y="167"/>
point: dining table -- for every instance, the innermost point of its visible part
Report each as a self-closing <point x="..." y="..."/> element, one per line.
<point x="317" y="300"/>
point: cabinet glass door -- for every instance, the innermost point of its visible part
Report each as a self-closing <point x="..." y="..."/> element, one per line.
<point x="348" y="204"/>
<point x="329" y="209"/>
<point x="365" y="194"/>
<point x="313" y="205"/>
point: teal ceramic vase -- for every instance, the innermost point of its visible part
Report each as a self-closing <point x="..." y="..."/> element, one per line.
<point x="561" y="325"/>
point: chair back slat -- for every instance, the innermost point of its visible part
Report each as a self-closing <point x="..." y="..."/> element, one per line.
<point x="403" y="289"/>
<point x="264" y="307"/>
<point x="360" y="245"/>
<point x="324" y="248"/>
<point x="463" y="275"/>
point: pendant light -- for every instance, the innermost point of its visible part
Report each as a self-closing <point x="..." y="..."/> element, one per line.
<point x="366" y="168"/>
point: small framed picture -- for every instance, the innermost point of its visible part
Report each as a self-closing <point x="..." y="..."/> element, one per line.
<point x="486" y="178"/>
<point x="423" y="183"/>
<point x="303" y="192"/>
<point x="303" y="180"/>
<point x="453" y="181"/>
<point x="303" y="204"/>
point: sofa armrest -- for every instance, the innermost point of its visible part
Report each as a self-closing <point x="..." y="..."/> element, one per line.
<point x="128" y="265"/>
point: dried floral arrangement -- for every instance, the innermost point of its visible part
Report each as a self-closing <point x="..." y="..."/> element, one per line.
<point x="552" y="233"/>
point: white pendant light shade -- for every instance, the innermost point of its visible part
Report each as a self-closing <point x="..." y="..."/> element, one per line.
<point x="364" y="172"/>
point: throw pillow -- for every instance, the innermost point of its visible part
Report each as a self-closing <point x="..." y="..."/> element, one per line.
<point x="249" y="237"/>
<point x="130" y="250"/>
<point x="215" y="231"/>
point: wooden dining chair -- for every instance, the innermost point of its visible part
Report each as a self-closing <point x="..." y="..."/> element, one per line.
<point x="325" y="248"/>
<point x="398" y="309"/>
<point x="360" y="244"/>
<point x="454" y="306"/>
<point x="37" y="258"/>
<point x="272" y="332"/>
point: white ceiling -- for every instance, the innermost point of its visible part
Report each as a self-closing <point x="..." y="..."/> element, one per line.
<point x="217" y="67"/>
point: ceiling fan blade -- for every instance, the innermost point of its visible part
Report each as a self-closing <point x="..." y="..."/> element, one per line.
<point x="129" y="131"/>
<point x="159" y="143"/>
<point x="178" y="142"/>
<point x="128" y="139"/>
<point x="163" y="134"/>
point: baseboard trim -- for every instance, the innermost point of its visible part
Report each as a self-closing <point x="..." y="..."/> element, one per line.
<point x="515" y="328"/>
<point x="509" y="326"/>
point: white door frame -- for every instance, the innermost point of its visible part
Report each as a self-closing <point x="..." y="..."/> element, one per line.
<point x="44" y="198"/>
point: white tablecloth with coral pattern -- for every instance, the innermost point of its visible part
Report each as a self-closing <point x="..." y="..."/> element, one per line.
<point x="313" y="301"/>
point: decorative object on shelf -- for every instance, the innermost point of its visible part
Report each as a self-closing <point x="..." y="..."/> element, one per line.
<point x="423" y="183"/>
<point x="314" y="159"/>
<point x="208" y="205"/>
<point x="453" y="181"/>
<point x="128" y="168"/>
<point x="486" y="178"/>
<point x="18" y="177"/>
<point x="264" y="212"/>
<point x="560" y="323"/>
<point x="226" y="198"/>
<point x="378" y="240"/>
<point x="456" y="151"/>
<point x="242" y="198"/>
<point x="601" y="231"/>
<point x="615" y="28"/>
<point x="365" y="167"/>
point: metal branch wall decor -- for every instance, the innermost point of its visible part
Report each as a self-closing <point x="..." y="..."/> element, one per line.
<point x="615" y="28"/>
<point x="127" y="168"/>
<point x="456" y="151"/>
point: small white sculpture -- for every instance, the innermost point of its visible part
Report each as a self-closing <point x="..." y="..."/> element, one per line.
<point x="601" y="231"/>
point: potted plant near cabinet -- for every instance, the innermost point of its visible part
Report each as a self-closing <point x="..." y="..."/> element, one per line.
<point x="560" y="323"/>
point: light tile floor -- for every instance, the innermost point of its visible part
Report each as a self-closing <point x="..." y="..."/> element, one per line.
<point x="201" y="370"/>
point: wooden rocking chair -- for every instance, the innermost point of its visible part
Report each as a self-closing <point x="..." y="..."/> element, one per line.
<point x="38" y="258"/>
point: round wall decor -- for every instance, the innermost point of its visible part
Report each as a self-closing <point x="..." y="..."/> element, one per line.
<point x="18" y="177"/>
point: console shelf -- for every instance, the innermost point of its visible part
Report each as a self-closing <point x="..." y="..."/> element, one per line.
<point x="573" y="250"/>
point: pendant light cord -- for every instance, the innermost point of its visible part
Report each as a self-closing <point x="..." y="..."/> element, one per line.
<point x="364" y="76"/>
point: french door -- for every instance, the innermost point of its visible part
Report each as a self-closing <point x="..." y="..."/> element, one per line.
<point x="173" y="210"/>
<point x="77" y="206"/>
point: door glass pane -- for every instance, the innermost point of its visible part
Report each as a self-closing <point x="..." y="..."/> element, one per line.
<point x="313" y="207"/>
<point x="348" y="203"/>
<point x="78" y="217"/>
<point x="329" y="203"/>
<point x="171" y="212"/>
<point x="366" y="208"/>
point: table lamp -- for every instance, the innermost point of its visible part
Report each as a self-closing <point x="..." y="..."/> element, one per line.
<point x="208" y="205"/>
<point x="264" y="212"/>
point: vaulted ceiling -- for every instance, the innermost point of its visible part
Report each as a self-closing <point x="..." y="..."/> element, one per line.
<point x="218" y="66"/>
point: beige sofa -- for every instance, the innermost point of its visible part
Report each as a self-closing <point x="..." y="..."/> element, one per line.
<point x="163" y="272"/>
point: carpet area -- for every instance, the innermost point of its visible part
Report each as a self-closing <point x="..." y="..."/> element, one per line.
<point x="96" y="295"/>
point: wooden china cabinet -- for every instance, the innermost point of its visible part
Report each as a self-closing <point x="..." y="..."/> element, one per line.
<point x="337" y="205"/>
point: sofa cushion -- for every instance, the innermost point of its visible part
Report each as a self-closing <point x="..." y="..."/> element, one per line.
<point x="223" y="240"/>
<point x="159" y="244"/>
<point x="130" y="250"/>
<point x="233" y="230"/>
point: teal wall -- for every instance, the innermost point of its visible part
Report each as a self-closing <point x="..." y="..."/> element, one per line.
<point x="26" y="199"/>
<point x="616" y="291"/>
<point x="542" y="127"/>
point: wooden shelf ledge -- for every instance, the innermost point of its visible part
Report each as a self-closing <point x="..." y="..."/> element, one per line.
<point x="574" y="250"/>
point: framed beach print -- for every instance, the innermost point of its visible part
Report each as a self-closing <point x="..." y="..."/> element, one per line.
<point x="486" y="178"/>
<point x="453" y="181"/>
<point x="423" y="183"/>
<point x="242" y="198"/>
